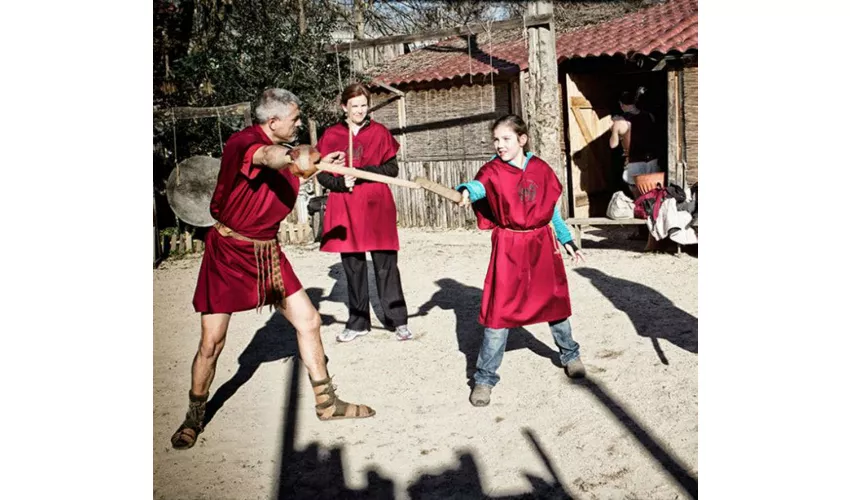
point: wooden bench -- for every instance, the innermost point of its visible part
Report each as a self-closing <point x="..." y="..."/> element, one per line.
<point x="578" y="225"/>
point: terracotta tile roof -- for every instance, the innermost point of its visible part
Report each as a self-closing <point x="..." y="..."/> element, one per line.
<point x="450" y="58"/>
<point x="663" y="28"/>
<point x="668" y="27"/>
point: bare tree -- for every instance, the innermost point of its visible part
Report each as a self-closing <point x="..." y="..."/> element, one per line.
<point x="398" y="17"/>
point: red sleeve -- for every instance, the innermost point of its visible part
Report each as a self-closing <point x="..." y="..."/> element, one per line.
<point x="248" y="168"/>
<point x="325" y="142"/>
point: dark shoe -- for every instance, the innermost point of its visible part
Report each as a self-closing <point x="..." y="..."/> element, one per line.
<point x="575" y="368"/>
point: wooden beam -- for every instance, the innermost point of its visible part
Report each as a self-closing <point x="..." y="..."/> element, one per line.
<point x="388" y="87"/>
<point x="389" y="101"/>
<point x="585" y="132"/>
<point x="446" y="123"/>
<point x="470" y="29"/>
<point x="189" y="113"/>
<point x="460" y="157"/>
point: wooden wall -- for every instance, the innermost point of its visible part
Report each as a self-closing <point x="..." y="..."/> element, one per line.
<point x="691" y="100"/>
<point x="445" y="123"/>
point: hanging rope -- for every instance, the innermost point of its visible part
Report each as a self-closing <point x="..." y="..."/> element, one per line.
<point x="469" y="50"/>
<point x="174" y="130"/>
<point x="220" y="143"/>
<point x="490" y="50"/>
<point x="350" y="61"/>
<point x="525" y="33"/>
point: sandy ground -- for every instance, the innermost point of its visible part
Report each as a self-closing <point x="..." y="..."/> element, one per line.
<point x="628" y="431"/>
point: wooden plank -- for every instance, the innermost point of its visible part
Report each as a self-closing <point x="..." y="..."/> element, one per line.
<point x="190" y="113"/>
<point x="581" y="199"/>
<point x="580" y="102"/>
<point x="603" y="221"/>
<point x="469" y="29"/>
<point x="585" y="132"/>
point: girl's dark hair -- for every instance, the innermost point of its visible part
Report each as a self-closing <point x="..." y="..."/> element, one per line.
<point x="630" y="97"/>
<point x="515" y="122"/>
<point x="354" y="90"/>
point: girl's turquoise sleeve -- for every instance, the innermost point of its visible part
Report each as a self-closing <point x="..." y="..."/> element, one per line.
<point x="475" y="188"/>
<point x="562" y="231"/>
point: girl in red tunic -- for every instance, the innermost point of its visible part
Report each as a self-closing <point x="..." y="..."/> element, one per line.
<point x="515" y="194"/>
<point x="360" y="215"/>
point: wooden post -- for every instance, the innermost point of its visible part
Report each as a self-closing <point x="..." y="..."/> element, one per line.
<point x="358" y="58"/>
<point x="311" y="126"/>
<point x="542" y="106"/>
<point x="673" y="173"/>
<point x="683" y="143"/>
<point x="402" y="123"/>
<point x="302" y="18"/>
<point x="358" y="20"/>
<point x="246" y="117"/>
<point x="157" y="249"/>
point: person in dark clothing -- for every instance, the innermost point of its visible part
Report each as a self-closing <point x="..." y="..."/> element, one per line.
<point x="637" y="131"/>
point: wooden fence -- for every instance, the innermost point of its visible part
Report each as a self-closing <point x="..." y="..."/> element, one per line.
<point x="421" y="208"/>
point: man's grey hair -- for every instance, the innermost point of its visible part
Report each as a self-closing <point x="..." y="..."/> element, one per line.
<point x="275" y="103"/>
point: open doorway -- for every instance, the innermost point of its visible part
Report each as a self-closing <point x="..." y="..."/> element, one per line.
<point x="595" y="170"/>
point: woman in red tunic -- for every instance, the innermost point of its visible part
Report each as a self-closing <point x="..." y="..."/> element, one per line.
<point x="360" y="215"/>
<point x="515" y="194"/>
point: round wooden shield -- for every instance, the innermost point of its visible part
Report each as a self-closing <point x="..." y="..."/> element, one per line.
<point x="190" y="195"/>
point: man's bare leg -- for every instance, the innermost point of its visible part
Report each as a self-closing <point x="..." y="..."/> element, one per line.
<point x="305" y="318"/>
<point x="213" y="334"/>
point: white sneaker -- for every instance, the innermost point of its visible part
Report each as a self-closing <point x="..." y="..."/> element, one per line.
<point x="349" y="335"/>
<point x="403" y="333"/>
